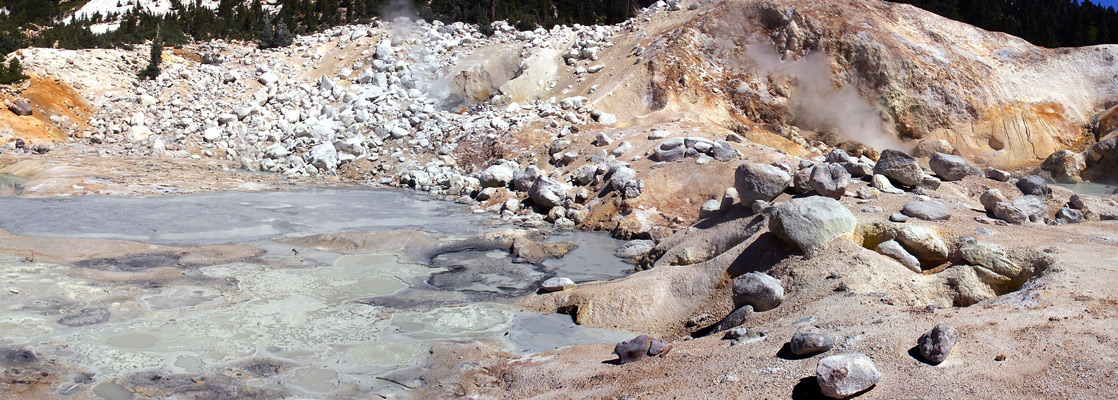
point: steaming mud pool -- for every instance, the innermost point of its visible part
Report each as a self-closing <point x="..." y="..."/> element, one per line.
<point x="289" y="321"/>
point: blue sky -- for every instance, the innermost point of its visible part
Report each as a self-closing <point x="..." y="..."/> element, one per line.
<point x="1104" y="3"/>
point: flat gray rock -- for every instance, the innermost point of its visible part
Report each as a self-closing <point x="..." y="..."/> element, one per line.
<point x="929" y="210"/>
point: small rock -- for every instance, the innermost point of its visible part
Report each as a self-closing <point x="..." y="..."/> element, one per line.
<point x="1076" y="202"/>
<point x="998" y="175"/>
<point x="810" y="340"/>
<point x="759" y="290"/>
<point x="898" y="217"/>
<point x="936" y="344"/>
<point x="639" y="348"/>
<point x="845" y="375"/>
<point x="893" y="249"/>
<point x="557" y="284"/>
<point x="880" y="182"/>
<point x="709" y="208"/>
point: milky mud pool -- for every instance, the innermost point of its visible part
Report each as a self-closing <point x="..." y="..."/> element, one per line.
<point x="309" y="293"/>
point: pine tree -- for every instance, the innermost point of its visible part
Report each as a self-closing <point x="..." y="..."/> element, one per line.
<point x="12" y="73"/>
<point x="152" y="70"/>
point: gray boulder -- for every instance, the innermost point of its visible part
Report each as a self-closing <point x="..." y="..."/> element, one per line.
<point x="496" y="176"/>
<point x="991" y="197"/>
<point x="937" y="343"/>
<point x="838" y="156"/>
<point x="1033" y="185"/>
<point x="1065" y="166"/>
<point x="21" y="108"/>
<point x="639" y="348"/>
<point x="759" y="182"/>
<point x="801" y="180"/>
<point x="1068" y="215"/>
<point x="671" y="150"/>
<point x="1033" y="207"/>
<point x="723" y="151"/>
<point x="585" y="175"/>
<point x="812" y="222"/>
<point x="522" y="180"/>
<point x="952" y="168"/>
<point x="845" y="375"/>
<point x="1076" y="202"/>
<point x="929" y="210"/>
<point x="324" y="156"/>
<point x="899" y="167"/>
<point x="546" y="193"/>
<point x="811" y="340"/>
<point x="1008" y="213"/>
<point x="829" y="180"/>
<point x="759" y="290"/>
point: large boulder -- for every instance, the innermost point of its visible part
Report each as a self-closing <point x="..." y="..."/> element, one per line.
<point x="899" y="167"/>
<point x="522" y="180"/>
<point x="496" y="176"/>
<point x="546" y="193"/>
<point x="991" y="197"/>
<point x="845" y="375"/>
<point x="952" y="168"/>
<point x="324" y="156"/>
<point x="21" y="108"/>
<point x="1033" y="207"/>
<point x="1033" y="185"/>
<point x="811" y="222"/>
<point x="759" y="182"/>
<point x="829" y="180"/>
<point x="759" y="290"/>
<point x="671" y="150"/>
<point x="1065" y="166"/>
<point x="923" y="243"/>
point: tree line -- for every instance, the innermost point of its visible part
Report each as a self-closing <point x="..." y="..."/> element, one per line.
<point x="1048" y="23"/>
<point x="39" y="22"/>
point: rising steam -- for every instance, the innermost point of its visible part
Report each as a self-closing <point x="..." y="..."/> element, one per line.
<point x="818" y="105"/>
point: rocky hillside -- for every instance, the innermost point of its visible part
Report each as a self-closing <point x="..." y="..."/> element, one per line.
<point x="431" y="106"/>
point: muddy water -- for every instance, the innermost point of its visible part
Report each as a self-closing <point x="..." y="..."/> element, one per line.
<point x="294" y="322"/>
<point x="1091" y="188"/>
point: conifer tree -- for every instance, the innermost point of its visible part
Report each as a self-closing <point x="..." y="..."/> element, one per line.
<point x="152" y="70"/>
